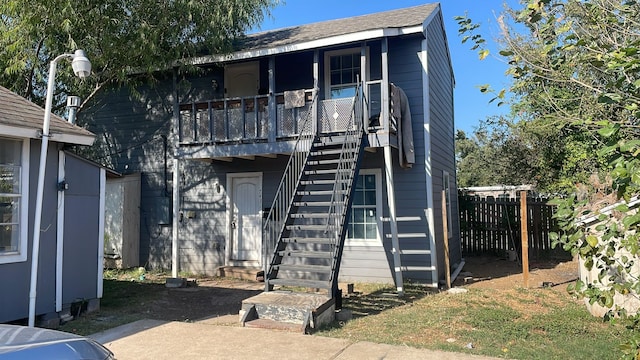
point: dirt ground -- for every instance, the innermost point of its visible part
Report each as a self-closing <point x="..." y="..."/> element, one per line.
<point x="498" y="273"/>
<point x="219" y="298"/>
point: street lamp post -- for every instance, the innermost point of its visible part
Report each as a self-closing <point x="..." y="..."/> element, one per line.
<point x="82" y="68"/>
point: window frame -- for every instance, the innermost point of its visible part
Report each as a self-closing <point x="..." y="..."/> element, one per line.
<point x="327" y="66"/>
<point x="21" y="254"/>
<point x="378" y="240"/>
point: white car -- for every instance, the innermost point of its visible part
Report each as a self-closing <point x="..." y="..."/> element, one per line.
<point x="21" y="342"/>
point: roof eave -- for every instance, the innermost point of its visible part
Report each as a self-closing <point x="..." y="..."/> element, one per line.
<point x="308" y="45"/>
<point x="30" y="133"/>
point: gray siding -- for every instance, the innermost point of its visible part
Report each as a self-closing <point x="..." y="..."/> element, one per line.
<point x="405" y="70"/>
<point x="133" y="136"/>
<point x="442" y="138"/>
<point x="81" y="282"/>
<point x="81" y="230"/>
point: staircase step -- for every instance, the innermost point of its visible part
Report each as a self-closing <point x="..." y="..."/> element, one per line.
<point x="314" y="215"/>
<point x="302" y="227"/>
<point x="319" y="181"/>
<point x="306" y="254"/>
<point x="311" y="284"/>
<point x="308" y="240"/>
<point x="320" y="172"/>
<point x="319" y="192"/>
<point x="326" y="161"/>
<point x="326" y="152"/>
<point x="306" y="268"/>
<point x="312" y="203"/>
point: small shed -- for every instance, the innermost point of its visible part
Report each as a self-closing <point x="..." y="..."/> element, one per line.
<point x="71" y="250"/>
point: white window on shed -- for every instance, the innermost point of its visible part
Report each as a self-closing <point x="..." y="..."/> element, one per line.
<point x="13" y="200"/>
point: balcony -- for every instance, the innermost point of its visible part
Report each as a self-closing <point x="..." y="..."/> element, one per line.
<point x="268" y="124"/>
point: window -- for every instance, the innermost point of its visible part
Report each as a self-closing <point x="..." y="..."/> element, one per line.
<point x="342" y="70"/>
<point x="13" y="208"/>
<point x="366" y="210"/>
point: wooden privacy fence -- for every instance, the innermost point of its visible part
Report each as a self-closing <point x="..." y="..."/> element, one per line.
<point x="492" y="226"/>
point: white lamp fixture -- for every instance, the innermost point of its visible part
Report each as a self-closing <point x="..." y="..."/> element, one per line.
<point x="82" y="68"/>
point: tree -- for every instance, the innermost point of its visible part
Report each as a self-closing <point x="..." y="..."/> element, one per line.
<point x="496" y="154"/>
<point x="121" y="38"/>
<point x="575" y="66"/>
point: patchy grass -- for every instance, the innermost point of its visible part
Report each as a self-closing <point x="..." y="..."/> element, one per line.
<point x="518" y="323"/>
<point x="515" y="323"/>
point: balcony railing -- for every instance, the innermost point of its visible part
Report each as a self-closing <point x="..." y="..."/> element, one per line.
<point x="269" y="118"/>
<point x="243" y="119"/>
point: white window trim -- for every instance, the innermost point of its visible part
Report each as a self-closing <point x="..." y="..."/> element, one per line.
<point x="378" y="240"/>
<point x="327" y="66"/>
<point x="21" y="254"/>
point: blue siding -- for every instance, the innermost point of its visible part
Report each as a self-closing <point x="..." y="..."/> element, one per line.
<point x="442" y="137"/>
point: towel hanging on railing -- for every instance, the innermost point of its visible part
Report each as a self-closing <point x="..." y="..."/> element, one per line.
<point x="400" y="116"/>
<point x="293" y="99"/>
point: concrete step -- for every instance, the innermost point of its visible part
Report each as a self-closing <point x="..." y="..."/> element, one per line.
<point x="241" y="272"/>
<point x="288" y="310"/>
<point x="274" y="325"/>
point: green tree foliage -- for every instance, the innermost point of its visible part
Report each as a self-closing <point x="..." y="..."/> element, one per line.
<point x="121" y="37"/>
<point x="496" y="154"/>
<point x="575" y="66"/>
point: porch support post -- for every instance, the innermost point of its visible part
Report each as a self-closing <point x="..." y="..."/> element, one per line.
<point x="388" y="171"/>
<point x="384" y="92"/>
<point x="316" y="88"/>
<point x="363" y="81"/>
<point x="176" y="217"/>
<point x="273" y="122"/>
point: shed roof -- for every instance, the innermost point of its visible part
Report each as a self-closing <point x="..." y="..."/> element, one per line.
<point x="20" y="117"/>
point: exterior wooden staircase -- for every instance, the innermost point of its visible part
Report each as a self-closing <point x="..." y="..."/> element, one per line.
<point x="306" y="228"/>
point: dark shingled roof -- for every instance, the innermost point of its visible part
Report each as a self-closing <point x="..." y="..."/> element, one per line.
<point x="16" y="111"/>
<point x="401" y="18"/>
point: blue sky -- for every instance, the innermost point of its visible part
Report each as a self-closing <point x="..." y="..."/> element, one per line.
<point x="471" y="106"/>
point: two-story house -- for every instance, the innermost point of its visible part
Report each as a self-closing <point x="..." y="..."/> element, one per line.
<point x="306" y="150"/>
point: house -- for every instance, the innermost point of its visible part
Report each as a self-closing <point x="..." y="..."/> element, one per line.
<point x="70" y="260"/>
<point x="308" y="150"/>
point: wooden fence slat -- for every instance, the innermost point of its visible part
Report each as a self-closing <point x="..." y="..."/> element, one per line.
<point x="492" y="226"/>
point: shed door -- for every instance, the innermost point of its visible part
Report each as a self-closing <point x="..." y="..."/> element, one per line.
<point x="246" y="219"/>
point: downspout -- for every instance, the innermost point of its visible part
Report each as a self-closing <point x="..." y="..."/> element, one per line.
<point x="176" y="180"/>
<point x="101" y="211"/>
<point x="60" y="230"/>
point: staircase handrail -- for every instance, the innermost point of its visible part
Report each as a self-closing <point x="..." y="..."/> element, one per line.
<point x="283" y="200"/>
<point x="345" y="175"/>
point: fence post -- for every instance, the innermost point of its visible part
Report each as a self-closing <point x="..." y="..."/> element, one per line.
<point x="524" y="237"/>
<point x="445" y="231"/>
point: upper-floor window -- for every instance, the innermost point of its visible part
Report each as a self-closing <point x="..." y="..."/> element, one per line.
<point x="342" y="70"/>
<point x="13" y="207"/>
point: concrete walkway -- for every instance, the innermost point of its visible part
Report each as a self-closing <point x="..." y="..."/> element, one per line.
<point x="207" y="339"/>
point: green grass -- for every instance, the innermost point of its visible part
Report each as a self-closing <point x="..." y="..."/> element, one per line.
<point x="518" y="324"/>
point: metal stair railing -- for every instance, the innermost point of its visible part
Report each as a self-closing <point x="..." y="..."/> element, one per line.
<point x="346" y="173"/>
<point x="278" y="213"/>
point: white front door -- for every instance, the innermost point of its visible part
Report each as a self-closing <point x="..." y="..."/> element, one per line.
<point x="246" y="217"/>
